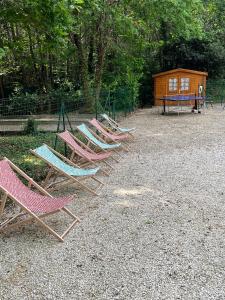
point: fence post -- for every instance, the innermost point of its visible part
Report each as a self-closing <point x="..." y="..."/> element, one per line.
<point x="96" y="108"/>
<point x="62" y="114"/>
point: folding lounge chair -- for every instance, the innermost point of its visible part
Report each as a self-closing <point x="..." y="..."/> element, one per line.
<point x="108" y="134"/>
<point x="98" y="142"/>
<point x="82" y="154"/>
<point x="61" y="166"/>
<point x="115" y="126"/>
<point x="34" y="206"/>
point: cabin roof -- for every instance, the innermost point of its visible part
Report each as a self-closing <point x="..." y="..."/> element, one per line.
<point x="180" y="70"/>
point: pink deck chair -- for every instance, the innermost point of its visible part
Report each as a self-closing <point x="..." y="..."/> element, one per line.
<point x="33" y="205"/>
<point x="84" y="154"/>
<point x="108" y="134"/>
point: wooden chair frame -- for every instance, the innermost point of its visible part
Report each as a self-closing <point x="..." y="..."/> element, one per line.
<point x="77" y="157"/>
<point x="99" y="149"/>
<point x="109" y="139"/>
<point x="115" y="126"/>
<point x="68" y="179"/>
<point x="32" y="217"/>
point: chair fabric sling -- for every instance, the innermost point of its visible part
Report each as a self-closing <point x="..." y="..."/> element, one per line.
<point x="62" y="167"/>
<point x="115" y="125"/>
<point x="84" y="129"/>
<point x="44" y="152"/>
<point x="68" y="138"/>
<point x="35" y="205"/>
<point x="25" y="196"/>
<point x="109" y="135"/>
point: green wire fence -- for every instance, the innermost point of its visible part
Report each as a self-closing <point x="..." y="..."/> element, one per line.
<point x="42" y="113"/>
<point x="215" y="91"/>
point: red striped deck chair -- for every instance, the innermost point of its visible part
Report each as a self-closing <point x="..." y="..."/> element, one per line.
<point x="34" y="206"/>
<point x="82" y="155"/>
<point x="108" y="135"/>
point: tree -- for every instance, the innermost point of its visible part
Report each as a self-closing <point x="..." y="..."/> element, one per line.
<point x="92" y="45"/>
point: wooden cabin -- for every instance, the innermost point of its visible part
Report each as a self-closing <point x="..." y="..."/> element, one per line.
<point x="178" y="82"/>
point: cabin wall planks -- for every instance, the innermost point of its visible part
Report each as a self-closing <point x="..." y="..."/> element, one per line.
<point x="177" y="82"/>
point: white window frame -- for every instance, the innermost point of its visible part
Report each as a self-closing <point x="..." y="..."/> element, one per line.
<point x="173" y="84"/>
<point x="185" y="84"/>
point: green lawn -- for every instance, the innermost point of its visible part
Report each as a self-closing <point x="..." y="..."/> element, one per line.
<point x="16" y="148"/>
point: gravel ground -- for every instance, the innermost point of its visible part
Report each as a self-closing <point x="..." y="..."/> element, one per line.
<point x="157" y="231"/>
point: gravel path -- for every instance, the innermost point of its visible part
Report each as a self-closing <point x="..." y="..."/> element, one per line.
<point x="157" y="231"/>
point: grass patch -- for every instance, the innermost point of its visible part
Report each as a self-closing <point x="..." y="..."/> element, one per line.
<point x="16" y="148"/>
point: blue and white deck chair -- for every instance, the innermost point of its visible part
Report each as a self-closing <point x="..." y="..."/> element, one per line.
<point x="96" y="140"/>
<point x="114" y="125"/>
<point x="61" y="166"/>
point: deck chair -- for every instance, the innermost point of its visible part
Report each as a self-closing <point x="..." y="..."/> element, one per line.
<point x="115" y="126"/>
<point x="61" y="166"/>
<point x="82" y="154"/>
<point x="34" y="206"/>
<point x="98" y="143"/>
<point x="107" y="134"/>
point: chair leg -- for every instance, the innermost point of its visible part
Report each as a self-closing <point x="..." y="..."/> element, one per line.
<point x="105" y="172"/>
<point x="38" y="219"/>
<point x="108" y="164"/>
<point x="69" y="181"/>
<point x="2" y="203"/>
<point x="115" y="159"/>
<point x="125" y="148"/>
<point x="87" y="188"/>
<point x="50" y="173"/>
<point x="9" y="220"/>
<point x="75" y="220"/>
<point x="119" y="154"/>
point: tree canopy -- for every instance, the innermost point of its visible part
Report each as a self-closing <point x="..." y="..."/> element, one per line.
<point x="91" y="45"/>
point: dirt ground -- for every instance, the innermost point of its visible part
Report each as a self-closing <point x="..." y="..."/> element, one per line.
<point x="157" y="230"/>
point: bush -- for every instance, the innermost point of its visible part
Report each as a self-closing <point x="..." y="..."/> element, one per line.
<point x="16" y="148"/>
<point x="21" y="103"/>
<point x="31" y="127"/>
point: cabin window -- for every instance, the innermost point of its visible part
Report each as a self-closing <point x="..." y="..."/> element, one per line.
<point x="185" y="84"/>
<point x="172" y="84"/>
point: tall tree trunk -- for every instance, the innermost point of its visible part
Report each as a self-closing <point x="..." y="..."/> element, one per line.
<point x="103" y="33"/>
<point x="42" y="67"/>
<point x="67" y="67"/>
<point x="33" y="58"/>
<point x="51" y="81"/>
<point x="99" y="69"/>
<point x="83" y="65"/>
<point x="51" y="70"/>
<point x="91" y="56"/>
<point x="2" y="88"/>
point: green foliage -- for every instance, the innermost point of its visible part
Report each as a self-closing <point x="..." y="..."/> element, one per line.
<point x="35" y="103"/>
<point x="101" y="52"/>
<point x="2" y="53"/>
<point x="16" y="148"/>
<point x="215" y="90"/>
<point x="56" y="48"/>
<point x="68" y="94"/>
<point x="23" y="104"/>
<point x="31" y="127"/>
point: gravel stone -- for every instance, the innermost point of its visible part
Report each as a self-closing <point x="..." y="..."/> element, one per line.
<point x="157" y="230"/>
